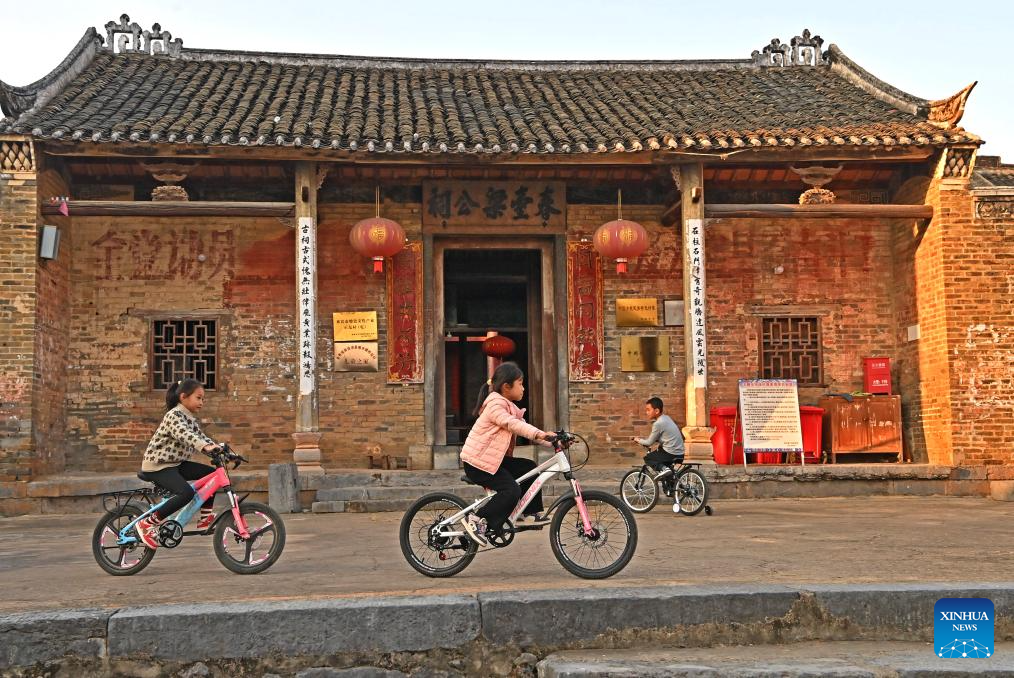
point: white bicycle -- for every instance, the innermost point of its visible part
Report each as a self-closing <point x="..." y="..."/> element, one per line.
<point x="592" y="534"/>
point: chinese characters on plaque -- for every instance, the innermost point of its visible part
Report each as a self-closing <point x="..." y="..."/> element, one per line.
<point x="494" y="203"/>
<point x="637" y="312"/>
<point x="306" y="250"/>
<point x="355" y="341"/>
<point x="698" y="314"/>
<point x="644" y="354"/>
<point x="585" y="325"/>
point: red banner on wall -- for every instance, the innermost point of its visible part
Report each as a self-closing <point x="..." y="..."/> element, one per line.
<point x="586" y="336"/>
<point x="405" y="316"/>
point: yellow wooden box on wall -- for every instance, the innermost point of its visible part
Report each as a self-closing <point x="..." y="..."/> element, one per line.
<point x="355" y="326"/>
<point x="637" y="312"/>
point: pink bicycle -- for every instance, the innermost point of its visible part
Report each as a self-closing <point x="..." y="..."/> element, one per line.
<point x="592" y="534"/>
<point x="248" y="538"/>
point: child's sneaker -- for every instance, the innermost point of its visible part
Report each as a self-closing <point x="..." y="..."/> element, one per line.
<point x="475" y="527"/>
<point x="206" y="521"/>
<point x="147" y="532"/>
<point x="534" y="520"/>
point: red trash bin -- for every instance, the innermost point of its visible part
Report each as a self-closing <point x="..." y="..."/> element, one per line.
<point x="811" y="420"/>
<point x="722" y="420"/>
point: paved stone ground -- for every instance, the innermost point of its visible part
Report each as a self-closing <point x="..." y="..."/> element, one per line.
<point x="854" y="659"/>
<point x="46" y="561"/>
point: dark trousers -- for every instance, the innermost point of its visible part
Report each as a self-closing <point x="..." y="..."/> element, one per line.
<point x="175" y="480"/>
<point x="508" y="491"/>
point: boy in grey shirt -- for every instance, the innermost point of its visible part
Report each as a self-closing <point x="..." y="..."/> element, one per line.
<point x="664" y="431"/>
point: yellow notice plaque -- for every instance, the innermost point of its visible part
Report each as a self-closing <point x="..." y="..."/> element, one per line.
<point x="637" y="312"/>
<point x="355" y="326"/>
<point x="356" y="356"/>
<point x="644" y="354"/>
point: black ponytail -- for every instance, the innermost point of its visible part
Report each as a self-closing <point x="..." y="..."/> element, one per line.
<point x="506" y="373"/>
<point x="183" y="387"/>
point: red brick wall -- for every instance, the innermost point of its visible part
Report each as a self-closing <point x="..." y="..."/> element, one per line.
<point x="608" y="413"/>
<point x="18" y="214"/>
<point x="978" y="276"/>
<point x="52" y="338"/>
<point x="841" y="268"/>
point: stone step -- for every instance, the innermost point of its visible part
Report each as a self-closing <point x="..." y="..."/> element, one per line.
<point x="838" y="659"/>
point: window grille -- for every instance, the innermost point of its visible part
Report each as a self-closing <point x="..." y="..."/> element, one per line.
<point x="183" y="348"/>
<point x="790" y="348"/>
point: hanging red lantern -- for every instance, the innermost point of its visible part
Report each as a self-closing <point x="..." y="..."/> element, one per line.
<point x="499" y="347"/>
<point x="377" y="238"/>
<point x="620" y="239"/>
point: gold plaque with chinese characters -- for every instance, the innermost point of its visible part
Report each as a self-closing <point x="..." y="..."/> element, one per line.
<point x="356" y="356"/>
<point x="644" y="354"/>
<point x="355" y="326"/>
<point x="637" y="312"/>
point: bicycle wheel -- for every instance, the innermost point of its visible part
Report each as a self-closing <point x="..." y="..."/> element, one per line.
<point x="692" y="492"/>
<point x="606" y="549"/>
<point x="639" y="491"/>
<point x="429" y="553"/>
<point x="261" y="550"/>
<point x="117" y="560"/>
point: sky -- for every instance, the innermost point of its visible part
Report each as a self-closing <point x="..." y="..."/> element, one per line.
<point x="930" y="49"/>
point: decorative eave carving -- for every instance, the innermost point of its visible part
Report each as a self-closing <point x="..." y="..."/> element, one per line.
<point x="802" y="50"/>
<point x="816" y="176"/>
<point x="170" y="174"/>
<point x="127" y="36"/>
<point x="947" y="112"/>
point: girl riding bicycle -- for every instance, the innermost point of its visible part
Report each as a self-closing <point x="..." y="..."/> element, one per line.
<point x="167" y="458"/>
<point x="487" y="453"/>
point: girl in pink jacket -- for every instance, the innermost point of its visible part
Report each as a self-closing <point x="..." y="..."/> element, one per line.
<point x="487" y="454"/>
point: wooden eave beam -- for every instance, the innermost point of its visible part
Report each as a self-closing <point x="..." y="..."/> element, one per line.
<point x="833" y="211"/>
<point x="167" y="208"/>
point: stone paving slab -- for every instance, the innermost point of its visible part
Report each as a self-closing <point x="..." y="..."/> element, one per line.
<point x="842" y="659"/>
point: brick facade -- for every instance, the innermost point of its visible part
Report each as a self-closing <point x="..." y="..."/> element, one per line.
<point x="76" y="333"/>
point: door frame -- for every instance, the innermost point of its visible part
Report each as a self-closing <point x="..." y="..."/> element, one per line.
<point x="548" y="383"/>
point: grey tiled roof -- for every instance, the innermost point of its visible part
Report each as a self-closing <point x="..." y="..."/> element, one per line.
<point x="431" y="106"/>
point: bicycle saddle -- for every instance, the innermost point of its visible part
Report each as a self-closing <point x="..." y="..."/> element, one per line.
<point x="145" y="477"/>
<point x="472" y="482"/>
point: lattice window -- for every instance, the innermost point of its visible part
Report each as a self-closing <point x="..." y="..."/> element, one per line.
<point x="184" y="348"/>
<point x="791" y="349"/>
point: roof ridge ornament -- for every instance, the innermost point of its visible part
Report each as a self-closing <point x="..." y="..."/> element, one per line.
<point x="802" y="50"/>
<point x="127" y="37"/>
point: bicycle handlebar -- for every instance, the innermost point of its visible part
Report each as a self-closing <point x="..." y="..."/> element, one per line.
<point x="223" y="454"/>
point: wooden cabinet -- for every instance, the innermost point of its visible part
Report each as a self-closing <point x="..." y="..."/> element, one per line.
<point x="866" y="425"/>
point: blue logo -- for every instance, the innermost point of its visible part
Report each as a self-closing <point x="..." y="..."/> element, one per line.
<point x="963" y="628"/>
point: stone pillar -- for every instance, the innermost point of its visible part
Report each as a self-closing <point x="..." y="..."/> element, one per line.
<point x="307" y="436"/>
<point x="690" y="181"/>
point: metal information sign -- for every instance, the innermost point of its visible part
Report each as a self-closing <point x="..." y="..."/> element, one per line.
<point x="769" y="410"/>
<point x="637" y="312"/>
<point x="355" y="326"/>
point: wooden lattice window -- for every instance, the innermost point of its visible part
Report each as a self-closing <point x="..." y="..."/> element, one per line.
<point x="790" y="348"/>
<point x="182" y="348"/>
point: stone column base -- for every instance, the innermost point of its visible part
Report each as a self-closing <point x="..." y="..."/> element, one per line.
<point x="697" y="442"/>
<point x="307" y="452"/>
<point x="421" y="456"/>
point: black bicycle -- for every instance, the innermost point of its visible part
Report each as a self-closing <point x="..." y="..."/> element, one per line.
<point x="641" y="488"/>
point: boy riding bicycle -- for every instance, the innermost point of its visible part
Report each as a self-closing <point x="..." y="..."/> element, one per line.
<point x="665" y="432"/>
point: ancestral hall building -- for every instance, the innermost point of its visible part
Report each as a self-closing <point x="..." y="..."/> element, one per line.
<point x="203" y="202"/>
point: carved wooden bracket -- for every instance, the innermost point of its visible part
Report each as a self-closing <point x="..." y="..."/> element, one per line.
<point x="170" y="174"/>
<point x="816" y="177"/>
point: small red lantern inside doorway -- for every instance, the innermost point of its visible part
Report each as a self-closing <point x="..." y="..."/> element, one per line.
<point x="620" y="239"/>
<point x="499" y="347"/>
<point x="377" y="238"/>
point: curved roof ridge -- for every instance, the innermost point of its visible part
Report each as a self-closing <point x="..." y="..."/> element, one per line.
<point x="862" y="78"/>
<point x="353" y="61"/>
<point x="16" y="101"/>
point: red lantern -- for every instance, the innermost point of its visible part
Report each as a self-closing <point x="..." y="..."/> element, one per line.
<point x="499" y="347"/>
<point x="620" y="240"/>
<point x="377" y="237"/>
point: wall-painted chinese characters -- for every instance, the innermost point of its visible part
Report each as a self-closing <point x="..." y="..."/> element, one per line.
<point x="306" y="265"/>
<point x="698" y="313"/>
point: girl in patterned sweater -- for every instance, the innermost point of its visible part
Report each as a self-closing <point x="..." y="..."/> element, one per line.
<point x="167" y="458"/>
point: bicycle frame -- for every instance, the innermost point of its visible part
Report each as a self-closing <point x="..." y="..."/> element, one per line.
<point x="204" y="487"/>
<point x="558" y="463"/>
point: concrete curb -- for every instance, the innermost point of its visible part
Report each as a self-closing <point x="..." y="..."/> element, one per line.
<point x="548" y="619"/>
